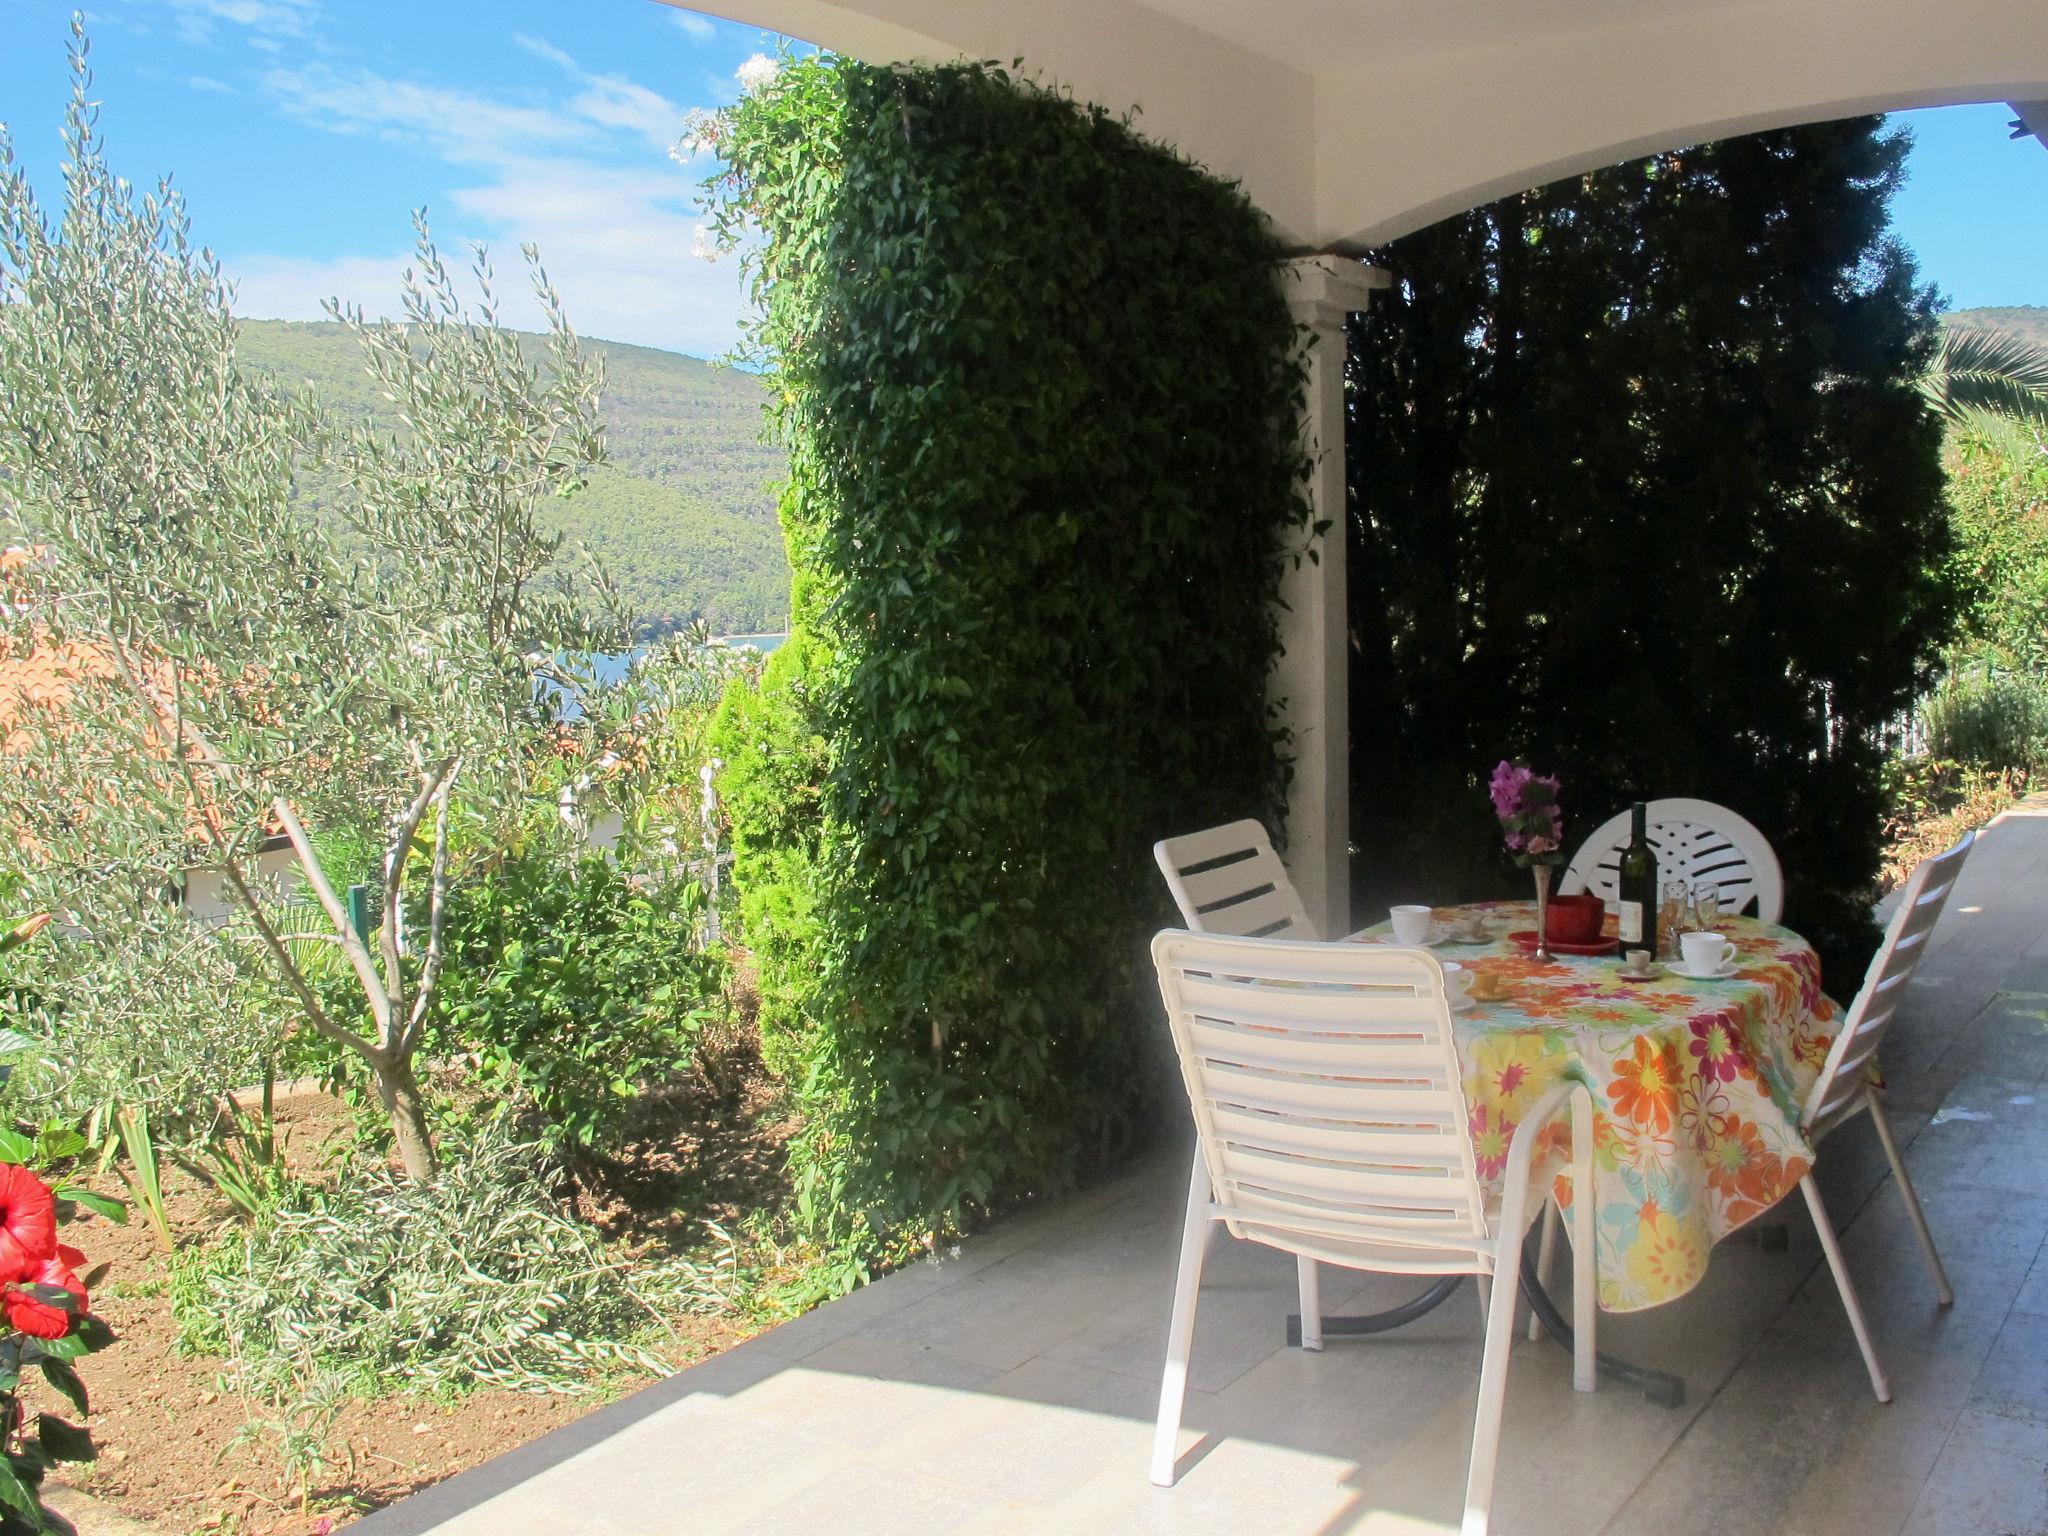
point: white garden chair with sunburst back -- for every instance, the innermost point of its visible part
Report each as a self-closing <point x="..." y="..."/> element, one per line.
<point x="1844" y="1088"/>
<point x="1330" y="1123"/>
<point x="1698" y="842"/>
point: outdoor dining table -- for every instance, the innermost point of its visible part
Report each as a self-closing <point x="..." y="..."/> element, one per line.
<point x="1697" y="1084"/>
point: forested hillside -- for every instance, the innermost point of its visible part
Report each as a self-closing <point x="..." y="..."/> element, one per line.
<point x="2029" y="322"/>
<point x="683" y="517"/>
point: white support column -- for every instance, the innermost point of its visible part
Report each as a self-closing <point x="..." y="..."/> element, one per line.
<point x="1311" y="677"/>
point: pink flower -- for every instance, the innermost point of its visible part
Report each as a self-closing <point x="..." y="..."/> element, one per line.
<point x="1539" y="844"/>
<point x="1509" y="781"/>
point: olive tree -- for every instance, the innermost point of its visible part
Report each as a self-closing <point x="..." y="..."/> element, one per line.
<point x="239" y="666"/>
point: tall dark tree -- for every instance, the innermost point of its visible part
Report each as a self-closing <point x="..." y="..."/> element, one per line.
<point x="1643" y="491"/>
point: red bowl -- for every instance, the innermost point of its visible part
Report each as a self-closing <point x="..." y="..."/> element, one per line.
<point x="1574" y="919"/>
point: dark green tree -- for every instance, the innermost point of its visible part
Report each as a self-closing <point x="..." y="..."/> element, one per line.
<point x="1643" y="491"/>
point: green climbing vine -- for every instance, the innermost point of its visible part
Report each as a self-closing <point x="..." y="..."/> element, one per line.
<point x="1038" y="387"/>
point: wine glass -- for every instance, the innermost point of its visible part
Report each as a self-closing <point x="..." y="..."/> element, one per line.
<point x="1707" y="898"/>
<point x="1670" y="918"/>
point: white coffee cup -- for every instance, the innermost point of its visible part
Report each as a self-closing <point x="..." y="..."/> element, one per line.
<point x="1705" y="953"/>
<point x="1457" y="983"/>
<point x="1411" y="924"/>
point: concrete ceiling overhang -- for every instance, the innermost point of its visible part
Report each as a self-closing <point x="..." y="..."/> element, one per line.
<point x="1353" y="121"/>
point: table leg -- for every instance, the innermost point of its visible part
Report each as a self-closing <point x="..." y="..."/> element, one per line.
<point x="1660" y="1387"/>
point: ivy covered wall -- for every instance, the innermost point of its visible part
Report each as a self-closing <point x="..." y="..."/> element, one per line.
<point x="1039" y="389"/>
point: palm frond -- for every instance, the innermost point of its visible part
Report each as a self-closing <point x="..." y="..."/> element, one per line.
<point x="1980" y="373"/>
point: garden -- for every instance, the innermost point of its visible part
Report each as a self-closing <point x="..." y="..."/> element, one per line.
<point x="566" y="1022"/>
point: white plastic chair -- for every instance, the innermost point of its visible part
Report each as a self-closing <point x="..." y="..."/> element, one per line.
<point x="1330" y="1123"/>
<point x="1698" y="842"/>
<point x="1844" y="1090"/>
<point x="1228" y="879"/>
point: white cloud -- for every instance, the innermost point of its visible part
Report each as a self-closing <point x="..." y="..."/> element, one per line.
<point x="696" y="26"/>
<point x="582" y="173"/>
<point x="207" y="83"/>
<point x="617" y="103"/>
<point x="267" y="19"/>
<point x="294" y="288"/>
<point x="541" y="48"/>
<point x="612" y="101"/>
<point x="630" y="278"/>
<point x="462" y="126"/>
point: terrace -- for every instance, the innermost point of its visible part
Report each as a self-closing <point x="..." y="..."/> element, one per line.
<point x="1012" y="1387"/>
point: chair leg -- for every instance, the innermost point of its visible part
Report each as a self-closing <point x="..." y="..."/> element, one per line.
<point x="1493" y="1389"/>
<point x="1585" y="1262"/>
<point x="1546" y="1254"/>
<point x="1943" y="1291"/>
<point x="1850" y="1304"/>
<point x="1311" y="1302"/>
<point x="1180" y="1333"/>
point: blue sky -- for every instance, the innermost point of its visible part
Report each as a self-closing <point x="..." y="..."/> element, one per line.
<point x="305" y="131"/>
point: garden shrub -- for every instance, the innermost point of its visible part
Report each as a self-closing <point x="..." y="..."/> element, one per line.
<point x="1998" y="506"/>
<point x="1645" y="492"/>
<point x="1988" y="719"/>
<point x="769" y="736"/>
<point x="569" y="987"/>
<point x="477" y="1279"/>
<point x="1039" y="388"/>
<point x="206" y="1020"/>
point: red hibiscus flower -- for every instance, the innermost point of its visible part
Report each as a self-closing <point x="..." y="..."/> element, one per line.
<point x="28" y="1222"/>
<point x="37" y="1318"/>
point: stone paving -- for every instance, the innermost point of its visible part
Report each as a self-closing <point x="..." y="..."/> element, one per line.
<point x="1011" y="1388"/>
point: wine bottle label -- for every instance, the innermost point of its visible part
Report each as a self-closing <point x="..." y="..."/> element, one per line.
<point x="1631" y="913"/>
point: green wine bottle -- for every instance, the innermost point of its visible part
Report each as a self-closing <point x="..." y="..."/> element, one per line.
<point x="1638" y="885"/>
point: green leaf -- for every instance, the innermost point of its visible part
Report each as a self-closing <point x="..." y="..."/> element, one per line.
<point x="65" y="1441"/>
<point x="66" y="1381"/>
<point x="16" y="1494"/>
<point x="15" y="1147"/>
<point x="57" y="1140"/>
<point x="114" y="1210"/>
<point x="70" y="1347"/>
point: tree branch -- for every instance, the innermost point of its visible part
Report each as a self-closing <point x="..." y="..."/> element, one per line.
<point x="309" y="863"/>
<point x="402" y="838"/>
<point x="308" y="999"/>
<point x="352" y="943"/>
<point x="437" y="914"/>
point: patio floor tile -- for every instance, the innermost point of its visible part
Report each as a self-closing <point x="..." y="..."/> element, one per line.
<point x="1010" y="1388"/>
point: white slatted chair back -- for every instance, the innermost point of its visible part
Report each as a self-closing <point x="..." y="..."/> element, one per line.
<point x="1229" y="880"/>
<point x="1698" y="842"/>
<point x="1838" y="1092"/>
<point x="1326" y="1088"/>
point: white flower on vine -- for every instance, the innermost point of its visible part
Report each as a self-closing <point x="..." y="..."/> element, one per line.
<point x="700" y="134"/>
<point x="756" y="73"/>
<point x="704" y="244"/>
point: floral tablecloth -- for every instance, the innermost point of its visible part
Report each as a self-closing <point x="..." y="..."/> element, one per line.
<point x="1697" y="1086"/>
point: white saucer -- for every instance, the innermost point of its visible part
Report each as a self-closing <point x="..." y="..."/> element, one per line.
<point x="1677" y="968"/>
<point x="1463" y="1002"/>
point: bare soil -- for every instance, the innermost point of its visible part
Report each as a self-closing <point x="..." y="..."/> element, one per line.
<point x="176" y="1451"/>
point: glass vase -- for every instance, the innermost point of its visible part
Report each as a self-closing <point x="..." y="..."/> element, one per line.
<point x="1542" y="874"/>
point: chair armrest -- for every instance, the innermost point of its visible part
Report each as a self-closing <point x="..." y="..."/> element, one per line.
<point x="1514" y="1195"/>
